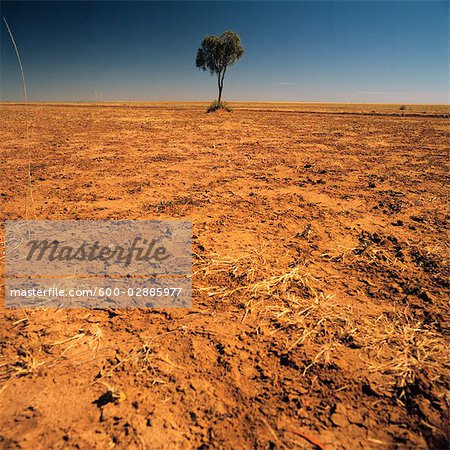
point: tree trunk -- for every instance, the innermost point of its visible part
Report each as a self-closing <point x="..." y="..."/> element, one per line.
<point x="220" y="78"/>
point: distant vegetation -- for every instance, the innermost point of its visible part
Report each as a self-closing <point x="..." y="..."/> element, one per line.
<point x="216" y="105"/>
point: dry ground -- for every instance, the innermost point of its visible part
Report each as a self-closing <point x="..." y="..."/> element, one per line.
<point x="320" y="252"/>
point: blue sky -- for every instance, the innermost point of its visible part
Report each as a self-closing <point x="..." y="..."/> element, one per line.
<point x="355" y="51"/>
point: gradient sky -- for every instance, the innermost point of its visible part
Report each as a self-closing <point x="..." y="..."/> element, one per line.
<point x="356" y="51"/>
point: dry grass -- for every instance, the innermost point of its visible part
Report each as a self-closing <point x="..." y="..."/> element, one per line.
<point x="30" y="361"/>
<point x="293" y="303"/>
<point x="248" y="275"/>
<point x="28" y="364"/>
<point x="30" y="203"/>
<point x="404" y="349"/>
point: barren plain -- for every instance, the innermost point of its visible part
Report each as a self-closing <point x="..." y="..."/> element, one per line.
<point x="320" y="313"/>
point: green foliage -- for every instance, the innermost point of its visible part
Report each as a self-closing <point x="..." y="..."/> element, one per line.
<point x="216" y="105"/>
<point x="217" y="53"/>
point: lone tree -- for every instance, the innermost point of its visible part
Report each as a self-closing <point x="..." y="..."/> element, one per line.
<point x="216" y="53"/>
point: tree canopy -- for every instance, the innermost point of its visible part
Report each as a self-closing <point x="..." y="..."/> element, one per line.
<point x="217" y="53"/>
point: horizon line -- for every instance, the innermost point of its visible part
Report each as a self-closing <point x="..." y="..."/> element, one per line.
<point x="96" y="102"/>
